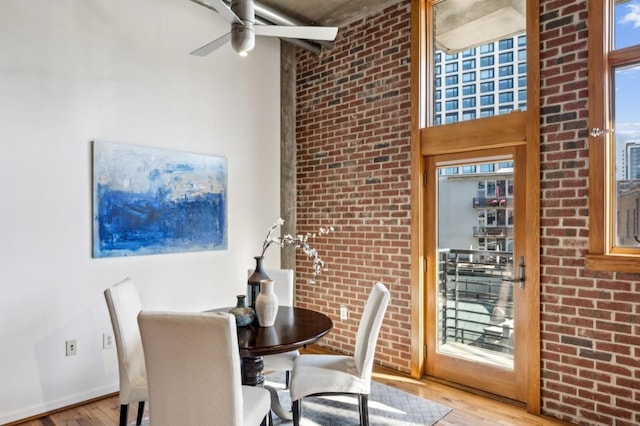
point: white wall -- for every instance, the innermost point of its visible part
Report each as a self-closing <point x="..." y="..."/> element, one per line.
<point x="72" y="71"/>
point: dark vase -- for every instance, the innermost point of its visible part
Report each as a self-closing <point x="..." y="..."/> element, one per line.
<point x="244" y="314"/>
<point x="253" y="284"/>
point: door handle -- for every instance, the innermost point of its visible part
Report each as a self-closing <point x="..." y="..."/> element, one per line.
<point x="521" y="277"/>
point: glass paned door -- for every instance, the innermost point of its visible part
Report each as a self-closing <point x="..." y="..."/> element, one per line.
<point x="476" y="275"/>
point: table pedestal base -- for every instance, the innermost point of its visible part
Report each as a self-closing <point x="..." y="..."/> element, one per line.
<point x="276" y="407"/>
<point x="253" y="375"/>
<point x="252" y="367"/>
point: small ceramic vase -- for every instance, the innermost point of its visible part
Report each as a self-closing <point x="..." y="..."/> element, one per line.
<point x="244" y="314"/>
<point x="266" y="304"/>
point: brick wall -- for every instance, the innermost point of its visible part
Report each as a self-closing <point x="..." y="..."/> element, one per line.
<point x="590" y="320"/>
<point x="353" y="171"/>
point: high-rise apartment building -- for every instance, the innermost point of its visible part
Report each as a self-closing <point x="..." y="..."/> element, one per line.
<point x="483" y="81"/>
<point x="632" y="160"/>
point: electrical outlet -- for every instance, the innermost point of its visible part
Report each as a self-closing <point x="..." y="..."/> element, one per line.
<point x="72" y="347"/>
<point x="107" y="340"/>
<point x="344" y="313"/>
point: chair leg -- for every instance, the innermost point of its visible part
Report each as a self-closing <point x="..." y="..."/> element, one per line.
<point x="140" y="412"/>
<point x="297" y="411"/>
<point x="124" y="414"/>
<point x="363" y="404"/>
<point x="287" y="379"/>
<point x="268" y="420"/>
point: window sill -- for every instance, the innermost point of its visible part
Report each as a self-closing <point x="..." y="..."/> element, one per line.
<point x="613" y="263"/>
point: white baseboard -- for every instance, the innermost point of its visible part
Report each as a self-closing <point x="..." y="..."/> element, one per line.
<point x="45" y="407"/>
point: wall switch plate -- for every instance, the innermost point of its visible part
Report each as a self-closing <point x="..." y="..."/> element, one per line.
<point x="107" y="340"/>
<point x="344" y="313"/>
<point x="71" y="347"/>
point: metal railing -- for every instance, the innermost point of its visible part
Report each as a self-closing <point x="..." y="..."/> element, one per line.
<point x="476" y="300"/>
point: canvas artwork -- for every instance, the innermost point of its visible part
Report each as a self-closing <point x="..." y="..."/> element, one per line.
<point x="150" y="201"/>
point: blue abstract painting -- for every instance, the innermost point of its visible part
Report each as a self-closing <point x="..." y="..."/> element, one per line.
<point x="151" y="201"/>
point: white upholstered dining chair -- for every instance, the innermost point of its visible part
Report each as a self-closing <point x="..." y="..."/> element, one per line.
<point x="283" y="280"/>
<point x="124" y="305"/>
<point x="193" y="369"/>
<point x="324" y="374"/>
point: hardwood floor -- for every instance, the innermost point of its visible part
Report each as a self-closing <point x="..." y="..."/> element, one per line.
<point x="468" y="408"/>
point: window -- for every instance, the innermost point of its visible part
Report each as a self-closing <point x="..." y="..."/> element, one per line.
<point x="468" y="77"/>
<point x="522" y="55"/>
<point x="612" y="106"/>
<point x="438" y="57"/>
<point x="451" y="80"/>
<point x="486" y="87"/>
<point x="522" y="81"/>
<point x="451" y="92"/>
<point x="522" y="68"/>
<point x="469" y="103"/>
<point x="522" y="95"/>
<point x="486" y="61"/>
<point x="505" y="97"/>
<point x="506" y="84"/>
<point x="438" y="70"/>
<point x="486" y="112"/>
<point x="469" y="90"/>
<point x="486" y="100"/>
<point x="505" y="58"/>
<point x="487" y="48"/>
<point x="451" y="105"/>
<point x="469" y="53"/>
<point x="505" y="70"/>
<point x="487" y="168"/>
<point x="451" y="67"/>
<point x="468" y="115"/>
<point x="451" y="57"/>
<point x="486" y="74"/>
<point x="451" y="117"/>
<point x="469" y="64"/>
<point x="505" y="44"/>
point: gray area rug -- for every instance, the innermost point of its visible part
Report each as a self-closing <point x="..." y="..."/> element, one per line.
<point x="387" y="406"/>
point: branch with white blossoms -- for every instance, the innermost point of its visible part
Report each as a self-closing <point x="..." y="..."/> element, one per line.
<point x="300" y="241"/>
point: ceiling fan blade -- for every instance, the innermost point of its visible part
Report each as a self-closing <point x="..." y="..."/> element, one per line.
<point x="224" y="10"/>
<point x="293" y="31"/>
<point x="210" y="47"/>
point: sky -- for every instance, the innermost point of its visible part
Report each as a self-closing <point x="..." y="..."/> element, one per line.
<point x="627" y="33"/>
<point x="627" y="80"/>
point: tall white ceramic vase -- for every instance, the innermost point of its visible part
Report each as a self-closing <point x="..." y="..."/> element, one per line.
<point x="266" y="304"/>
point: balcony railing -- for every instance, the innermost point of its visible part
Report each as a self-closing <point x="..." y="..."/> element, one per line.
<point x="476" y="301"/>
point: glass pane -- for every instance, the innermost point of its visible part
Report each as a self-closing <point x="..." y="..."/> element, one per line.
<point x="478" y="55"/>
<point x="475" y="248"/>
<point x="626" y="23"/>
<point x="626" y="191"/>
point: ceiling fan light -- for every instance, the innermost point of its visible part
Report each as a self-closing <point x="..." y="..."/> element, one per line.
<point x="243" y="39"/>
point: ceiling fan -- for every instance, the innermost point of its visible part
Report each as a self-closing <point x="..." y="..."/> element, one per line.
<point x="241" y="14"/>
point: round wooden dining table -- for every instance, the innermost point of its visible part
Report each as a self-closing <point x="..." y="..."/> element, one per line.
<point x="293" y="329"/>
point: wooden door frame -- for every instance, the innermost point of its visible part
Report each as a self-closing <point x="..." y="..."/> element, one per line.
<point x="524" y="123"/>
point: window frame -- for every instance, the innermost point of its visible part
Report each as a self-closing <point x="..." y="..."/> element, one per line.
<point x="602" y="256"/>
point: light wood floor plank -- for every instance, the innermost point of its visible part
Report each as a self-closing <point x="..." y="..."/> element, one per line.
<point x="468" y="408"/>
